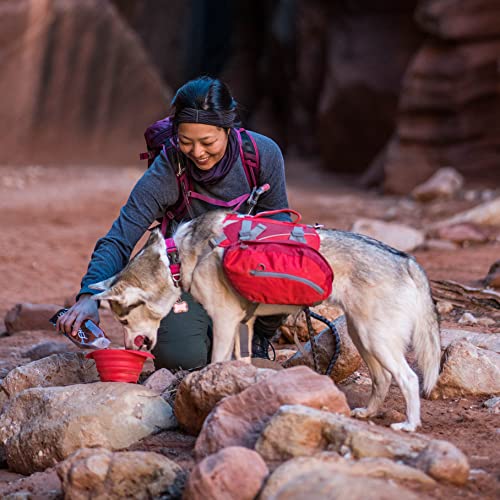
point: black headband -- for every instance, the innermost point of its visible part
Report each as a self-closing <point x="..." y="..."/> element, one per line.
<point x="223" y="119"/>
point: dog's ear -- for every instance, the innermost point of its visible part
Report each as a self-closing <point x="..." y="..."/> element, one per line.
<point x="123" y="293"/>
<point x="155" y="238"/>
<point x="104" y="285"/>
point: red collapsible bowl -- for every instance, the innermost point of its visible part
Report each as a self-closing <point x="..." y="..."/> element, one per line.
<point x="119" y="365"/>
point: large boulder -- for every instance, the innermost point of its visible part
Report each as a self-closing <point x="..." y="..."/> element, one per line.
<point x="73" y="94"/>
<point x="323" y="481"/>
<point x="238" y="420"/>
<point x="382" y="468"/>
<point x="468" y="370"/>
<point x="201" y="390"/>
<point x="490" y="341"/>
<point x="53" y="371"/>
<point x="39" y="427"/>
<point x="233" y="472"/>
<point x="301" y="431"/>
<point x="101" y="475"/>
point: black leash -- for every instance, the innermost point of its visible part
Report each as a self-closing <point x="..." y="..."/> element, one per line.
<point x="314" y="350"/>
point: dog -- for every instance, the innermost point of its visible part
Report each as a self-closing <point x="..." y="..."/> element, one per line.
<point x="384" y="293"/>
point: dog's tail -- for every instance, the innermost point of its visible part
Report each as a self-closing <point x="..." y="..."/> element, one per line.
<point x="426" y="337"/>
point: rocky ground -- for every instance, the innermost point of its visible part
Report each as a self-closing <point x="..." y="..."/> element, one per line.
<point x="51" y="217"/>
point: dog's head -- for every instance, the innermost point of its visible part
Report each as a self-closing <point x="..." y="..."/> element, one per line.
<point x="142" y="293"/>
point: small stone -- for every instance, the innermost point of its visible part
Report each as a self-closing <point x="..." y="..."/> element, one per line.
<point x="159" y="380"/>
<point x="493" y="405"/>
<point x="444" y="183"/>
<point x="485" y="321"/>
<point x="444" y="307"/>
<point x="399" y="236"/>
<point x="468" y="319"/>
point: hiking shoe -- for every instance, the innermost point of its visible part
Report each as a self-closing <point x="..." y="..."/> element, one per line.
<point x="260" y="348"/>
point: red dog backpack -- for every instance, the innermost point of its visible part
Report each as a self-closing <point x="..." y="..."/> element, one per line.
<point x="273" y="262"/>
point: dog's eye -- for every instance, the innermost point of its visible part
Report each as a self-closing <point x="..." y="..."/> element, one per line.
<point x="124" y="322"/>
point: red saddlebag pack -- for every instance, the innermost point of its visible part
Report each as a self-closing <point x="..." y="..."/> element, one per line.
<point x="274" y="262"/>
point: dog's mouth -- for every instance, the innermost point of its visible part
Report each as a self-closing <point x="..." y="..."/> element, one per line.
<point x="141" y="341"/>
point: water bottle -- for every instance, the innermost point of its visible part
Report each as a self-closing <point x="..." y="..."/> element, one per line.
<point x="89" y="336"/>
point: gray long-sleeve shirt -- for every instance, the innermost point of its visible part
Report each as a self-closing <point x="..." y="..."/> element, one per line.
<point x="157" y="190"/>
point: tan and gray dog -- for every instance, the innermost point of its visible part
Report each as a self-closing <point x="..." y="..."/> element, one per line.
<point x="384" y="293"/>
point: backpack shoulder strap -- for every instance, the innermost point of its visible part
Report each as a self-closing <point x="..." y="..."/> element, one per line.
<point x="249" y="154"/>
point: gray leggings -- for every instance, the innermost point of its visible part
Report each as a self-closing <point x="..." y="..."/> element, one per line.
<point x="185" y="338"/>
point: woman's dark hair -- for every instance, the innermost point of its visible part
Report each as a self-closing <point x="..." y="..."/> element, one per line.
<point x="206" y="94"/>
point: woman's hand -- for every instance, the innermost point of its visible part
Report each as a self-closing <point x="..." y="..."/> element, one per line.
<point x="86" y="308"/>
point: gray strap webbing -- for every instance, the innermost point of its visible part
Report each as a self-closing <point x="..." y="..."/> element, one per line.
<point x="257" y="230"/>
<point x="297" y="234"/>
<point x="215" y="242"/>
<point x="246" y="227"/>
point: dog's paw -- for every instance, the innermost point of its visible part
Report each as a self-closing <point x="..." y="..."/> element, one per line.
<point x="404" y="426"/>
<point x="360" y="413"/>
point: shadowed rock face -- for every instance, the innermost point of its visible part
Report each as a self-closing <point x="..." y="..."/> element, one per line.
<point x="76" y="84"/>
<point x="450" y="99"/>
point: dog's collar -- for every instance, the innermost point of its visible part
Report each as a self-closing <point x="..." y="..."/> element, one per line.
<point x="174" y="262"/>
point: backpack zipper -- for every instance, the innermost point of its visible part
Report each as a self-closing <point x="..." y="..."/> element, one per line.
<point x="268" y="274"/>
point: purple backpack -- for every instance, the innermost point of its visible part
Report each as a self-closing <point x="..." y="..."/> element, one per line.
<point x="160" y="137"/>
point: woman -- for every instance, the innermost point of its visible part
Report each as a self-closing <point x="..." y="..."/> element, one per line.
<point x="204" y="120"/>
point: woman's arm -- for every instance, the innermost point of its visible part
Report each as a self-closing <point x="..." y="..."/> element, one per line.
<point x="154" y="192"/>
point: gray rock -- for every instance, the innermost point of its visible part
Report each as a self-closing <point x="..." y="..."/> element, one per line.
<point x="53" y="371"/>
<point x="493" y="405"/>
<point x="296" y="431"/>
<point x="45" y="349"/>
<point x="468" y="370"/>
<point x="444" y="183"/>
<point x="322" y="483"/>
<point x="103" y="475"/>
<point x="489" y="341"/>
<point x="42" y="426"/>
<point x="399" y="236"/>
<point x="381" y="468"/>
<point x="159" y="380"/>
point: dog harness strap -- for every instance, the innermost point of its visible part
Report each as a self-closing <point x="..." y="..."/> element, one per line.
<point x="175" y="262"/>
<point x="234" y="204"/>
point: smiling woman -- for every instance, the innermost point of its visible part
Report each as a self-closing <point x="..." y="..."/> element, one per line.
<point x="205" y="143"/>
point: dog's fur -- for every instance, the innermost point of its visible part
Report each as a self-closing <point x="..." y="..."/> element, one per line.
<point x="384" y="293"/>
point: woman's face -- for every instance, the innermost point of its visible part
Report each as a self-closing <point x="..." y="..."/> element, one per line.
<point x="205" y="145"/>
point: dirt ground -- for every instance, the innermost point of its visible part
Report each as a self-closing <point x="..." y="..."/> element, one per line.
<point x="50" y="218"/>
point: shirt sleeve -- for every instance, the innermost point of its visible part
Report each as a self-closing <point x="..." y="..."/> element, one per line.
<point x="156" y="190"/>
